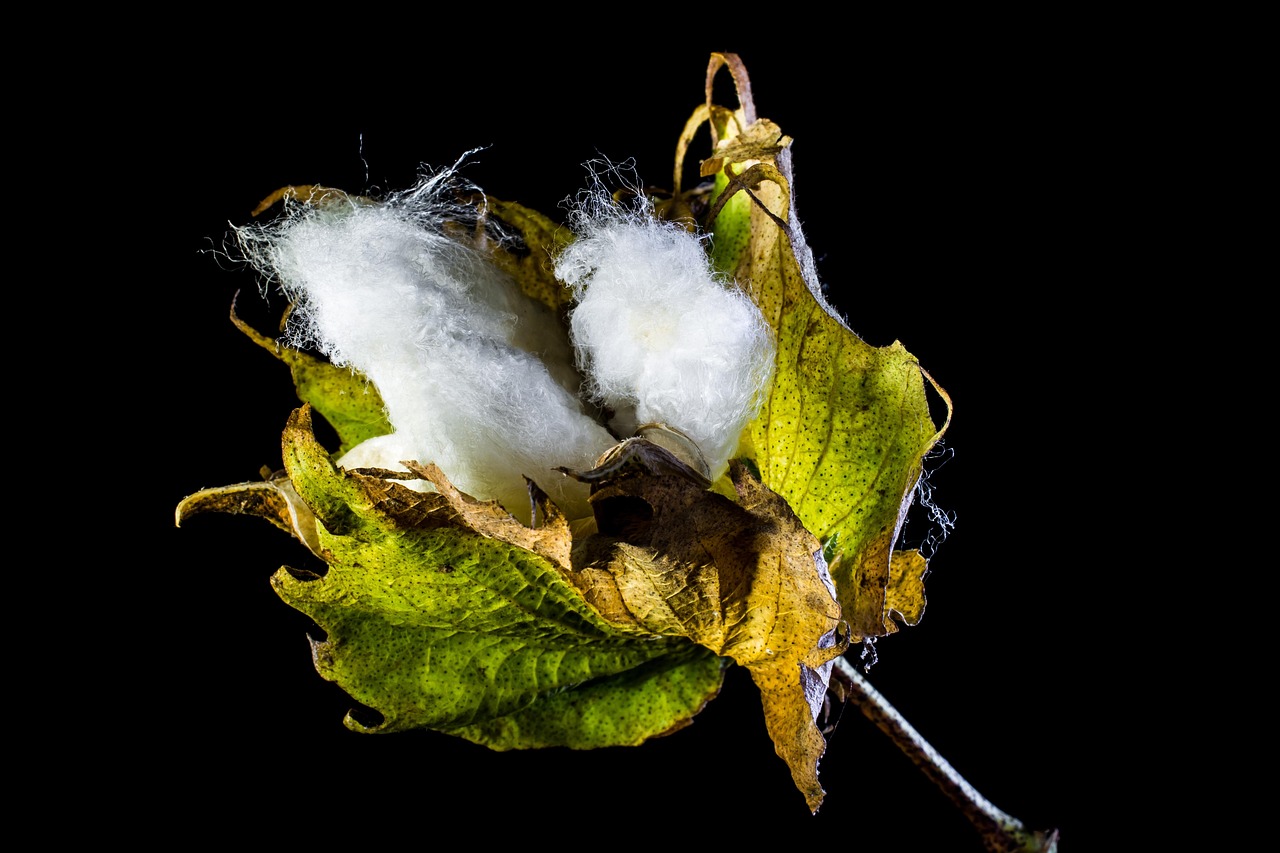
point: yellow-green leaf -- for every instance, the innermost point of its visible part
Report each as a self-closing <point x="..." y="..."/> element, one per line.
<point x="845" y="425"/>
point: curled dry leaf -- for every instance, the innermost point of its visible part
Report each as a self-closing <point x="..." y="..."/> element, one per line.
<point x="743" y="579"/>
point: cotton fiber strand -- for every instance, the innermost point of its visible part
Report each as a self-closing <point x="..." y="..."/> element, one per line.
<point x="660" y="337"/>
<point x="476" y="377"/>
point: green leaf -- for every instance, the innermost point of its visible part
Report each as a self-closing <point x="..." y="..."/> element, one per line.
<point x="436" y="626"/>
<point x="346" y="399"/>
<point x="622" y="710"/>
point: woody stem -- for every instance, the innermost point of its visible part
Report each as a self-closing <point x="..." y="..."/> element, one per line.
<point x="1001" y="832"/>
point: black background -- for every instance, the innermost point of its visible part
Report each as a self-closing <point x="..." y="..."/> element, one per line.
<point x="940" y="194"/>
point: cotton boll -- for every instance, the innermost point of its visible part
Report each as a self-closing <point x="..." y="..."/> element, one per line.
<point x="661" y="338"/>
<point x="455" y="349"/>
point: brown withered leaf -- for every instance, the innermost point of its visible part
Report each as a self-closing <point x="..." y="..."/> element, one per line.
<point x="743" y="579"/>
<point x="550" y="539"/>
<point x="308" y="193"/>
<point x="762" y="140"/>
<point x="263" y="500"/>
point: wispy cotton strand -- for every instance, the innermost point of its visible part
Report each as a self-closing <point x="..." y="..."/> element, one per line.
<point x="659" y="335"/>
<point x="475" y="376"/>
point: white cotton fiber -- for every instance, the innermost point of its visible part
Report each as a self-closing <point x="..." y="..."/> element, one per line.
<point x="476" y="377"/>
<point x="659" y="335"/>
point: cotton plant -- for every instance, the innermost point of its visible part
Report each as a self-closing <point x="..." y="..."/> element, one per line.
<point x="583" y="468"/>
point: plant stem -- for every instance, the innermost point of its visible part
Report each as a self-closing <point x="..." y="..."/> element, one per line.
<point x="1001" y="833"/>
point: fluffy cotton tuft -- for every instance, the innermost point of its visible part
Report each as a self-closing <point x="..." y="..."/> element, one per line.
<point x="475" y="376"/>
<point x="660" y="337"/>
